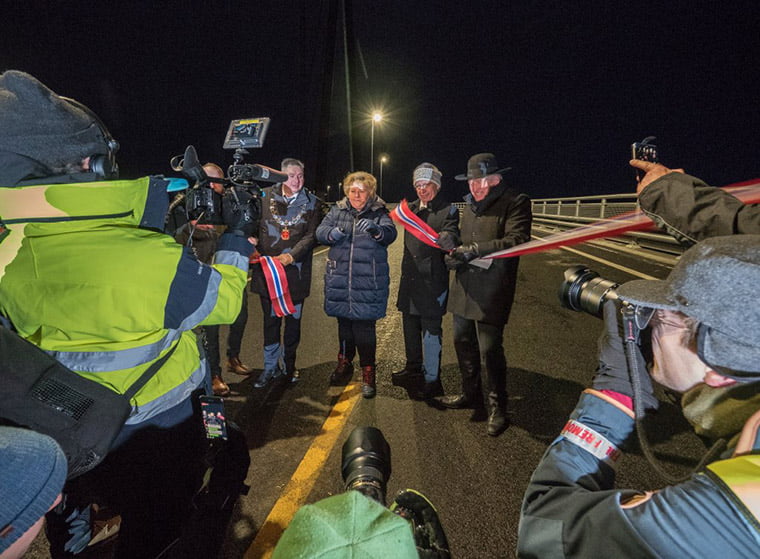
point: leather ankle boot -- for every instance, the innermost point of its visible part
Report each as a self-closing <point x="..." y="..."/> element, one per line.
<point x="368" y="381"/>
<point x="497" y="416"/>
<point x="343" y="370"/>
<point x="234" y="365"/>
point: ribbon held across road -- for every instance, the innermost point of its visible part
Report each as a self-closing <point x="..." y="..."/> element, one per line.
<point x="748" y="192"/>
<point x="405" y="217"/>
<point x="277" y="284"/>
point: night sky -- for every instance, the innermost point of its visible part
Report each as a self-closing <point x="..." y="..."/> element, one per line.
<point x="557" y="90"/>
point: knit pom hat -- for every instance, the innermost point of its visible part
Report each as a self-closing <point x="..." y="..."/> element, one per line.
<point x="32" y="473"/>
<point x="38" y="123"/>
<point x="427" y="172"/>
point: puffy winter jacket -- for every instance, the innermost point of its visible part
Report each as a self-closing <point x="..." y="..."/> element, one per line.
<point x="356" y="273"/>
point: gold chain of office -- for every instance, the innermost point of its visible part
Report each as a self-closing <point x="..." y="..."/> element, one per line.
<point x="285" y="224"/>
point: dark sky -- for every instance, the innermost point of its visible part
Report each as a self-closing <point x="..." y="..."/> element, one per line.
<point x="556" y="89"/>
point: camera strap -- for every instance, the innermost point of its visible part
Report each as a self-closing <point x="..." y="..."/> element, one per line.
<point x="631" y="333"/>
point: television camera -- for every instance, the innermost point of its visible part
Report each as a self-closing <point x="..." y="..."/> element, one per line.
<point x="237" y="205"/>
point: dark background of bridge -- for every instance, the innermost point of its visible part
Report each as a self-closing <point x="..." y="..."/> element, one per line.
<point x="558" y="90"/>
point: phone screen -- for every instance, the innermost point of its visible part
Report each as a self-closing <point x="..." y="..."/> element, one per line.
<point x="214" y="422"/>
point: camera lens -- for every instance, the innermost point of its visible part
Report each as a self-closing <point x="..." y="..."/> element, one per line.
<point x="366" y="462"/>
<point x="584" y="290"/>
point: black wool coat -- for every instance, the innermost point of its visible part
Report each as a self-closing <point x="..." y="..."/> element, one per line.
<point x="424" y="286"/>
<point x="502" y="220"/>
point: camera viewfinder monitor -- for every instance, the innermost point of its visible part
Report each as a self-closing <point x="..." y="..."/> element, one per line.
<point x="246" y="133"/>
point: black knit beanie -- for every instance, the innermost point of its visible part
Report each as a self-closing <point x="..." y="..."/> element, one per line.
<point x="37" y="123"/>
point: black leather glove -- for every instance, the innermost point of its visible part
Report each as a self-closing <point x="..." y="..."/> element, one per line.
<point x="612" y="373"/>
<point x="239" y="212"/>
<point x="447" y="240"/>
<point x="453" y="263"/>
<point x="368" y="226"/>
<point x="465" y="253"/>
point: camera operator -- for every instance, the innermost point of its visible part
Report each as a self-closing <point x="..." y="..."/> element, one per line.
<point x="690" y="210"/>
<point x="704" y="344"/>
<point x="204" y="239"/>
<point x="87" y="275"/>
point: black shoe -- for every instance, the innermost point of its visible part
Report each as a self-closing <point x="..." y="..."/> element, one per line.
<point x="479" y="414"/>
<point x="497" y="422"/>
<point x="405" y="375"/>
<point x="429" y="391"/>
<point x="456" y="402"/>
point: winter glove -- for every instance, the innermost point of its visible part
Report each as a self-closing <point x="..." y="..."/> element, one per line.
<point x="465" y="253"/>
<point x="336" y="234"/>
<point x="453" y="263"/>
<point x="612" y="373"/>
<point x="447" y="240"/>
<point x="368" y="226"/>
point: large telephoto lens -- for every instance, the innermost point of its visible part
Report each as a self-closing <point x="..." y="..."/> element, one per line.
<point x="366" y="462"/>
<point x="584" y="290"/>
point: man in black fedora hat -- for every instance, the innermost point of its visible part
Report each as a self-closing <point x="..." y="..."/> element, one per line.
<point x="496" y="217"/>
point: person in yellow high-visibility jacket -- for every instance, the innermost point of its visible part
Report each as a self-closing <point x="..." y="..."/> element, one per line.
<point x="86" y="275"/>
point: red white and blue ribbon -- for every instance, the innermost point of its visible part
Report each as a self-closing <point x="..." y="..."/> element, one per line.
<point x="277" y="284"/>
<point x="748" y="192"/>
<point x="412" y="223"/>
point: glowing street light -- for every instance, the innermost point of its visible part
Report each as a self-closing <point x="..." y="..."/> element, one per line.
<point x="376" y="117"/>
<point x="383" y="159"/>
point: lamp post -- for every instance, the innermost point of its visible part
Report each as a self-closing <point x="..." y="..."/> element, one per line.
<point x="376" y="117"/>
<point x="383" y="159"/>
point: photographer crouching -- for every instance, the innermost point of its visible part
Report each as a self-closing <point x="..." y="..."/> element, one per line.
<point x="703" y="323"/>
<point x="87" y="275"/>
<point x="356" y="523"/>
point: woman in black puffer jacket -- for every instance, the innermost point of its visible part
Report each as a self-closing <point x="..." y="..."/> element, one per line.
<point x="358" y="230"/>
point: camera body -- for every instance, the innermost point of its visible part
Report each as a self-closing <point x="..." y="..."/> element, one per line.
<point x="238" y="205"/>
<point x="644" y="150"/>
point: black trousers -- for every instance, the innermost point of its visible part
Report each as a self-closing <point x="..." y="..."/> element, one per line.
<point x="234" y="339"/>
<point x="150" y="481"/>
<point x="291" y="336"/>
<point x="475" y="341"/>
<point x="358" y="335"/>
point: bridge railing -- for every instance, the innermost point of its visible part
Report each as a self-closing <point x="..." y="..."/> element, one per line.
<point x="559" y="214"/>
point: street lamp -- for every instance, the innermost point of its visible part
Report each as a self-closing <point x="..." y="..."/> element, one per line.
<point x="376" y="117"/>
<point x="383" y="159"/>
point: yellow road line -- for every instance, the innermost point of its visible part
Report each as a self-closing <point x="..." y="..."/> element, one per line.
<point x="301" y="483"/>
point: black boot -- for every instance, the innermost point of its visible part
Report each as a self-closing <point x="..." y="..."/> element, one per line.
<point x="405" y="375"/>
<point x="497" y="416"/>
<point x="429" y="390"/>
<point x="472" y="391"/>
<point x="343" y="370"/>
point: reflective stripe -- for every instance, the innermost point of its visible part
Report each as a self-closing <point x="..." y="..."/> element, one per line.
<point x="170" y="399"/>
<point x="208" y="303"/>
<point x="106" y="361"/>
<point x="231" y="258"/>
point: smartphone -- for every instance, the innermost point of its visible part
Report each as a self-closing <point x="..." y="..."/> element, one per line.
<point x="644" y="150"/>
<point x="212" y="412"/>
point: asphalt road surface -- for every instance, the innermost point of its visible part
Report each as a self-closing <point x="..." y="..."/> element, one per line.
<point x="476" y="482"/>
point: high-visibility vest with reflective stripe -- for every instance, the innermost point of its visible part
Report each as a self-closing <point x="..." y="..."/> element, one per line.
<point x="84" y="276"/>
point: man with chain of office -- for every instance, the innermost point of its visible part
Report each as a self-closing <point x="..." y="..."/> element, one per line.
<point x="290" y="215"/>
